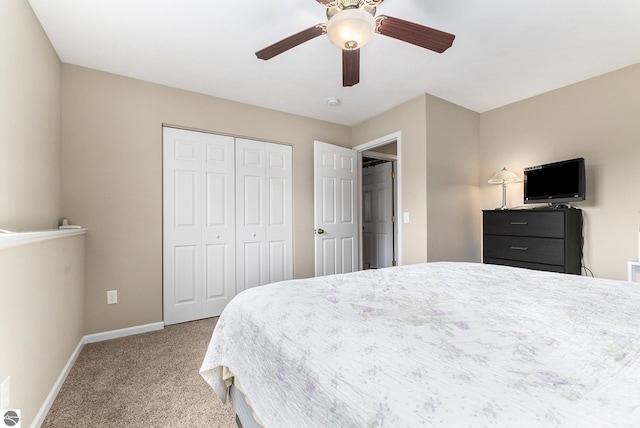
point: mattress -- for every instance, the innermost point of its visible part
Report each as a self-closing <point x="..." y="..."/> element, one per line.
<point x="435" y="344"/>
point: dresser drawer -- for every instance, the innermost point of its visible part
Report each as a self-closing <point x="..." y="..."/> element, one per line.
<point x="534" y="250"/>
<point x="548" y="224"/>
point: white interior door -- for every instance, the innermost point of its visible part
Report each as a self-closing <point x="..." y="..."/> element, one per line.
<point x="198" y="224"/>
<point x="377" y="215"/>
<point x="335" y="209"/>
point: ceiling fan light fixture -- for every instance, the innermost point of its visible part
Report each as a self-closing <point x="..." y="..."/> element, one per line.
<point x="351" y="28"/>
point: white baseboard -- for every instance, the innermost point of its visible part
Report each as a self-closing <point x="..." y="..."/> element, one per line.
<point x="48" y="402"/>
<point x="91" y="338"/>
<point x="123" y="332"/>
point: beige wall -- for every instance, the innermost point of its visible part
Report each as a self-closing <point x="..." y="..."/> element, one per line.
<point x="30" y="122"/>
<point x="42" y="295"/>
<point x="112" y="180"/>
<point x="438" y="152"/>
<point x="409" y="119"/>
<point x="41" y="284"/>
<point x="453" y="197"/>
<point x="596" y="119"/>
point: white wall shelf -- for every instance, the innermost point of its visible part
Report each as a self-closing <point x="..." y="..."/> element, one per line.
<point x="15" y="239"/>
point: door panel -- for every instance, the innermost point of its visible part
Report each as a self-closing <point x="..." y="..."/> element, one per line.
<point x="252" y="264"/>
<point x="329" y="200"/>
<point x="252" y="199"/>
<point x="277" y="261"/>
<point x="347" y="250"/>
<point x="185" y="197"/>
<point x="217" y="270"/>
<point x="277" y="202"/>
<point x="346" y="205"/>
<point x="217" y="200"/>
<point x="186" y="275"/>
<point x="329" y="259"/>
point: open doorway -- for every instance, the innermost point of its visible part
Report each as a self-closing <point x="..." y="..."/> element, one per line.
<point x="380" y="204"/>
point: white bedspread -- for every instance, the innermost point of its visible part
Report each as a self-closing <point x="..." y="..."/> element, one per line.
<point x="438" y="344"/>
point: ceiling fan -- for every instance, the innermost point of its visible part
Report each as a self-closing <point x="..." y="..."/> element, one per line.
<point x="351" y="24"/>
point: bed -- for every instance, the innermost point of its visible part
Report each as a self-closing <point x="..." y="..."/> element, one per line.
<point x="434" y="344"/>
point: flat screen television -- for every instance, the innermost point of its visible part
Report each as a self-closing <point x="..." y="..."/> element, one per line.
<point x="555" y="183"/>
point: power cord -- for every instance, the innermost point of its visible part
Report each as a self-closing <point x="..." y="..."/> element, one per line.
<point x="587" y="271"/>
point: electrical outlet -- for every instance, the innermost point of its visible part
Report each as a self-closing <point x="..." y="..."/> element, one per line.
<point x="4" y="393"/>
<point x="112" y="297"/>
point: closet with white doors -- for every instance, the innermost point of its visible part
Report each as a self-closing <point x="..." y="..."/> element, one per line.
<point x="227" y="220"/>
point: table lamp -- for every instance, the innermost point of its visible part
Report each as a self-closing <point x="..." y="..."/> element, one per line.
<point x="503" y="177"/>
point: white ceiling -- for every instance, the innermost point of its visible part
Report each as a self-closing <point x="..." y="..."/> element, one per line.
<point x="504" y="51"/>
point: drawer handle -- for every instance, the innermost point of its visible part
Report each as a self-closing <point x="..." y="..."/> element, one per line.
<point x="519" y="248"/>
<point x="519" y="223"/>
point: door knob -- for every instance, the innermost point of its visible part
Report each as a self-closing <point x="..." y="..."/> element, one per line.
<point x="320" y="231"/>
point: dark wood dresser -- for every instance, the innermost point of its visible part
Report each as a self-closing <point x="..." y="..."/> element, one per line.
<point x="542" y="239"/>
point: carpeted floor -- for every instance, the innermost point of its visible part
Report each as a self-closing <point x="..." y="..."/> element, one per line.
<point x="147" y="380"/>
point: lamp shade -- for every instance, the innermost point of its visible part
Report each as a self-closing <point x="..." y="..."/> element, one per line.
<point x="504" y="176"/>
<point x="351" y="29"/>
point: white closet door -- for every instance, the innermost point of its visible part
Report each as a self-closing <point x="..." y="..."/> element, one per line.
<point x="250" y="217"/>
<point x="198" y="224"/>
<point x="264" y="213"/>
<point x="219" y="228"/>
<point x="279" y="212"/>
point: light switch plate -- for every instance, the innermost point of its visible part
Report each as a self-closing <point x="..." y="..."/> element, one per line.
<point x="112" y="297"/>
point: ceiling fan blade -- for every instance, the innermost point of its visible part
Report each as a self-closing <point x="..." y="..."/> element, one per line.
<point x="416" y="34"/>
<point x="291" y="42"/>
<point x="350" y="67"/>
